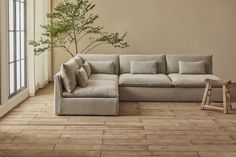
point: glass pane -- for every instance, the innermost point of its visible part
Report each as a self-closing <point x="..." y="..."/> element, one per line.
<point x="22" y="73"/>
<point x="17" y="41"/>
<point x="11" y="46"/>
<point x="18" y="45"/>
<point x="18" y="75"/>
<point x="12" y="76"/>
<point x="17" y="15"/>
<point x="11" y="15"/>
<point x="22" y="15"/>
<point x="22" y="45"/>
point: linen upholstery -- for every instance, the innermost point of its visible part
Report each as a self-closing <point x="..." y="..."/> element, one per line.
<point x="190" y="81"/>
<point x="95" y="89"/>
<point x="89" y="106"/>
<point x="82" y="106"/>
<point x="102" y="67"/>
<point x="78" y="60"/>
<point x="108" y="77"/>
<point x="82" y="77"/>
<point x="173" y="94"/>
<point x="173" y="62"/>
<point x="58" y="89"/>
<point x="68" y="73"/>
<point x="87" y="68"/>
<point x="192" y="67"/>
<point x="144" y="80"/>
<point x="125" y="62"/>
<point x="143" y="67"/>
<point x="102" y="57"/>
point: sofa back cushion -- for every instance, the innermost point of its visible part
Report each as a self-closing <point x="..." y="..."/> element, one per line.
<point x="103" y="57"/>
<point x="192" y="67"/>
<point x="173" y="62"/>
<point x="125" y="61"/>
<point x="102" y="67"/>
<point x="143" y="67"/>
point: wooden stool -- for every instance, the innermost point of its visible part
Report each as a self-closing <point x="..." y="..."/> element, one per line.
<point x="226" y="95"/>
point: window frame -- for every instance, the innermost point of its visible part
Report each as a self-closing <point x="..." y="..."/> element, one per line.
<point x="15" y="60"/>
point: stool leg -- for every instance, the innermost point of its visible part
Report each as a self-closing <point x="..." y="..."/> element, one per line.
<point x="205" y="96"/>
<point x="228" y="98"/>
<point x="209" y="95"/>
<point x="225" y="100"/>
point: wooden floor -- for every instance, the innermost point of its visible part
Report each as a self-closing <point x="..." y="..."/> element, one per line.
<point x="141" y="130"/>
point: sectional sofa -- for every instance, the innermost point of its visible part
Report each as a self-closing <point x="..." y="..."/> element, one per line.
<point x="105" y="90"/>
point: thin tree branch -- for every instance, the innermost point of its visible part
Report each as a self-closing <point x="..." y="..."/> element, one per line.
<point x="68" y="50"/>
<point x="84" y="12"/>
<point x="82" y="36"/>
<point x="88" y="46"/>
<point x="64" y="47"/>
<point x="75" y="37"/>
<point x="94" y="47"/>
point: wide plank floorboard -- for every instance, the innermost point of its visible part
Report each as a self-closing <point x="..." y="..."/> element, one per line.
<point x="142" y="129"/>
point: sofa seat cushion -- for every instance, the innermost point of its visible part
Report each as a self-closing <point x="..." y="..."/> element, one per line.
<point x="108" y="77"/>
<point x="144" y="80"/>
<point x="183" y="80"/>
<point x="95" y="89"/>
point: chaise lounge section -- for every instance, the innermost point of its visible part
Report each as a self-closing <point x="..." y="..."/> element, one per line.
<point x="100" y="97"/>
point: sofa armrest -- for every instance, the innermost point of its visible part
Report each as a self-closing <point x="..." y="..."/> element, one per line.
<point x="58" y="89"/>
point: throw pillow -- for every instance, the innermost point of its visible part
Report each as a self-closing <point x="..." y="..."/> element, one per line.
<point x="68" y="74"/>
<point x="102" y="67"/>
<point x="143" y="67"/>
<point x="82" y="77"/>
<point x="78" y="60"/>
<point x="87" y="68"/>
<point x="192" y="67"/>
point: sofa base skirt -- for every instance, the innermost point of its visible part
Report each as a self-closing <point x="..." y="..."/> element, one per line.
<point x="167" y="94"/>
<point x="88" y="106"/>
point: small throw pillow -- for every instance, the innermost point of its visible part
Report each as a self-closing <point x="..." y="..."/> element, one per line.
<point x="87" y="68"/>
<point x="68" y="74"/>
<point x="192" y="67"/>
<point x="143" y="67"/>
<point x="102" y="67"/>
<point x="82" y="77"/>
<point x="78" y="60"/>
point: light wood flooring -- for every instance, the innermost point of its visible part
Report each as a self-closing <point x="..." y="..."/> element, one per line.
<point x="141" y="130"/>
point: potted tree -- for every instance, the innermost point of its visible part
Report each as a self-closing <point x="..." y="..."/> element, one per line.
<point x="71" y="22"/>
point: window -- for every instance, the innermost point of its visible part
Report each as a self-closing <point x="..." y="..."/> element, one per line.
<point x="16" y="46"/>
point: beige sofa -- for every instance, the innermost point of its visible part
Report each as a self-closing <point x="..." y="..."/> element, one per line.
<point x="104" y="91"/>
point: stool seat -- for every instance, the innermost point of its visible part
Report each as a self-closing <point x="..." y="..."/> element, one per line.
<point x="216" y="82"/>
<point x="225" y="91"/>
